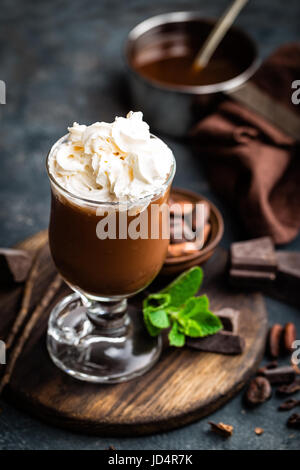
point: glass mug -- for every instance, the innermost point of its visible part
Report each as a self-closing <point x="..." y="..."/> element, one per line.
<point x="92" y="335"/>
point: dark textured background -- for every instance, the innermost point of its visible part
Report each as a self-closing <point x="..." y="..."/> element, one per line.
<point x="62" y="61"/>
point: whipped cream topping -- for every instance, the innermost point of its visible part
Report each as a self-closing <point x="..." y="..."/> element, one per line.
<point x="109" y="162"/>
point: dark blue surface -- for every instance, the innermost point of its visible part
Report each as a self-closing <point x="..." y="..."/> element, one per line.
<point x="62" y="61"/>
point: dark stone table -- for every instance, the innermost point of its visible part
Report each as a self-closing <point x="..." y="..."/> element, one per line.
<point x="62" y="61"/>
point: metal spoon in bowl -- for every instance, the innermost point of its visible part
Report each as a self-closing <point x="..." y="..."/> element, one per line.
<point x="217" y="34"/>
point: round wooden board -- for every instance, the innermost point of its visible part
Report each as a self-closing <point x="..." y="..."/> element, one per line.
<point x="182" y="387"/>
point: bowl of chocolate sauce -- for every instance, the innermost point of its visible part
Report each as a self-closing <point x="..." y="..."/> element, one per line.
<point x="159" y="54"/>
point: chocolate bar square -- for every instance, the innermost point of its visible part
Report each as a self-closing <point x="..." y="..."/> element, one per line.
<point x="253" y="275"/>
<point x="230" y="319"/>
<point x="289" y="264"/>
<point x="223" y="342"/>
<point x="254" y="255"/>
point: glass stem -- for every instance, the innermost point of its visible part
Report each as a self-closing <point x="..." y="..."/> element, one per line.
<point x="109" y="315"/>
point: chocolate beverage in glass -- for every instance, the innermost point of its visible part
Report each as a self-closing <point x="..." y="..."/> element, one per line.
<point x="108" y="237"/>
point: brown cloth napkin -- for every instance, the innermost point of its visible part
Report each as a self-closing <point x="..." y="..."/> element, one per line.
<point x="251" y="162"/>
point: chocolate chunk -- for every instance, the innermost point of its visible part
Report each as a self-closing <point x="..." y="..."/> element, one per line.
<point x="248" y="282"/>
<point x="274" y="340"/>
<point x="259" y="390"/>
<point x="289" y="389"/>
<point x="253" y="262"/>
<point x="254" y="255"/>
<point x="223" y="342"/>
<point x="14" y="265"/>
<point x="280" y="375"/>
<point x="253" y="275"/>
<point x="270" y="365"/>
<point x="294" y="421"/>
<point x="289" y="404"/>
<point x="289" y="264"/>
<point x="289" y="336"/>
<point x="230" y="319"/>
<point x="224" y="430"/>
<point x="180" y="247"/>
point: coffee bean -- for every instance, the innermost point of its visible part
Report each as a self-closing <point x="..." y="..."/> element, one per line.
<point x="258" y="391"/>
<point x="274" y="340"/>
<point x="289" y="336"/>
<point x="294" y="421"/>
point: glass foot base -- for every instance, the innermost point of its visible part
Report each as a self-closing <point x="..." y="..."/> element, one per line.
<point x="112" y="351"/>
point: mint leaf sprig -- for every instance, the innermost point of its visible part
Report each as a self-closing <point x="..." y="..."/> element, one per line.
<point x="177" y="308"/>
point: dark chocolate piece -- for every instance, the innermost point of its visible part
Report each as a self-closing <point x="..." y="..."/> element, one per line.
<point x="284" y="288"/>
<point x="247" y="283"/>
<point x="253" y="262"/>
<point x="289" y="389"/>
<point x="14" y="265"/>
<point x="285" y="285"/>
<point x="289" y="263"/>
<point x="254" y="275"/>
<point x="294" y="421"/>
<point x="270" y="365"/>
<point x="223" y="342"/>
<point x="288" y="404"/>
<point x="280" y="375"/>
<point x="259" y="390"/>
<point x="230" y="319"/>
<point x="257" y="254"/>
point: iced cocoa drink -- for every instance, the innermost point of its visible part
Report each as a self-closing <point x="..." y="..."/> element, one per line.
<point x="104" y="267"/>
<point x="115" y="170"/>
<point x="108" y="237"/>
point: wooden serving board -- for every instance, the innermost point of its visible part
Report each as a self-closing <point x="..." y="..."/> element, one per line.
<point x="182" y="387"/>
